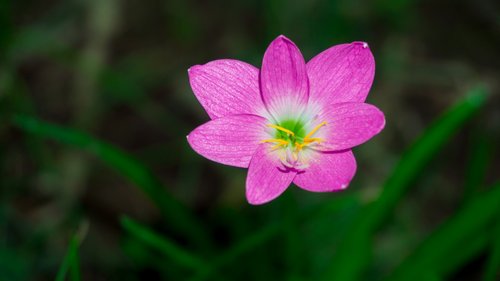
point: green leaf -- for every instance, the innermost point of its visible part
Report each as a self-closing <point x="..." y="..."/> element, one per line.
<point x="268" y="232"/>
<point x="492" y="269"/>
<point x="481" y="152"/>
<point x="175" y="213"/>
<point x="71" y="261"/>
<point x="415" y="160"/>
<point x="463" y="227"/>
<point x="353" y="253"/>
<point x="162" y="244"/>
<point x="245" y="245"/>
<point x="473" y="248"/>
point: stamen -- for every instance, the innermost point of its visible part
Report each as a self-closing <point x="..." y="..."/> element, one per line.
<point x="293" y="146"/>
<point x="315" y="130"/>
<point x="281" y="129"/>
<point x="276" y="146"/>
<point x="299" y="146"/>
<point x="311" y="140"/>
<point x="279" y="141"/>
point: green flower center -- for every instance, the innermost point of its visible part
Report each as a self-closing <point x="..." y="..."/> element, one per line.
<point x="291" y="133"/>
<point x="296" y="127"/>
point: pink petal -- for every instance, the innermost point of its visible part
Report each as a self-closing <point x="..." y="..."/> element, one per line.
<point x="349" y="125"/>
<point x="230" y="140"/>
<point x="226" y="87"/>
<point x="342" y="73"/>
<point x="267" y="178"/>
<point x="328" y="171"/>
<point x="283" y="78"/>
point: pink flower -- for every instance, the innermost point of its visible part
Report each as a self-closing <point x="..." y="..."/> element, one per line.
<point x="290" y="121"/>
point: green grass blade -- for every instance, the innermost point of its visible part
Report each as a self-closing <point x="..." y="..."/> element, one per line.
<point x="70" y="262"/>
<point x="127" y="166"/>
<point x="354" y="251"/>
<point x="293" y="250"/>
<point x="74" y="268"/>
<point x="160" y="243"/>
<point x="492" y="270"/>
<point x="268" y="232"/>
<point x="468" y="223"/>
<point x="429" y="276"/>
<point x="473" y="248"/>
<point x="247" y="244"/>
<point x="426" y="148"/>
<point x="481" y="152"/>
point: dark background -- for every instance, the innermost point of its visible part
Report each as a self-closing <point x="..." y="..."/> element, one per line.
<point x="117" y="71"/>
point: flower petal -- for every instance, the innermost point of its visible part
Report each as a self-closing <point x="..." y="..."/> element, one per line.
<point x="283" y="77"/>
<point x="226" y="87"/>
<point x="327" y="171"/>
<point x="342" y="73"/>
<point x="348" y="125"/>
<point x="267" y="178"/>
<point x="230" y="140"/>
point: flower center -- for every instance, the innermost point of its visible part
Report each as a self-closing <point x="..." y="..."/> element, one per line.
<point x="290" y="136"/>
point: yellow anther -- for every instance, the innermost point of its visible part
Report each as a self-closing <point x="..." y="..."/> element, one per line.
<point x="299" y="146"/>
<point x="311" y="140"/>
<point x="281" y="129"/>
<point x="314" y="130"/>
<point x="278" y="141"/>
<point x="307" y="142"/>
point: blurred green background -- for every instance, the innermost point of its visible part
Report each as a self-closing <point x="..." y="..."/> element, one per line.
<point x="98" y="182"/>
